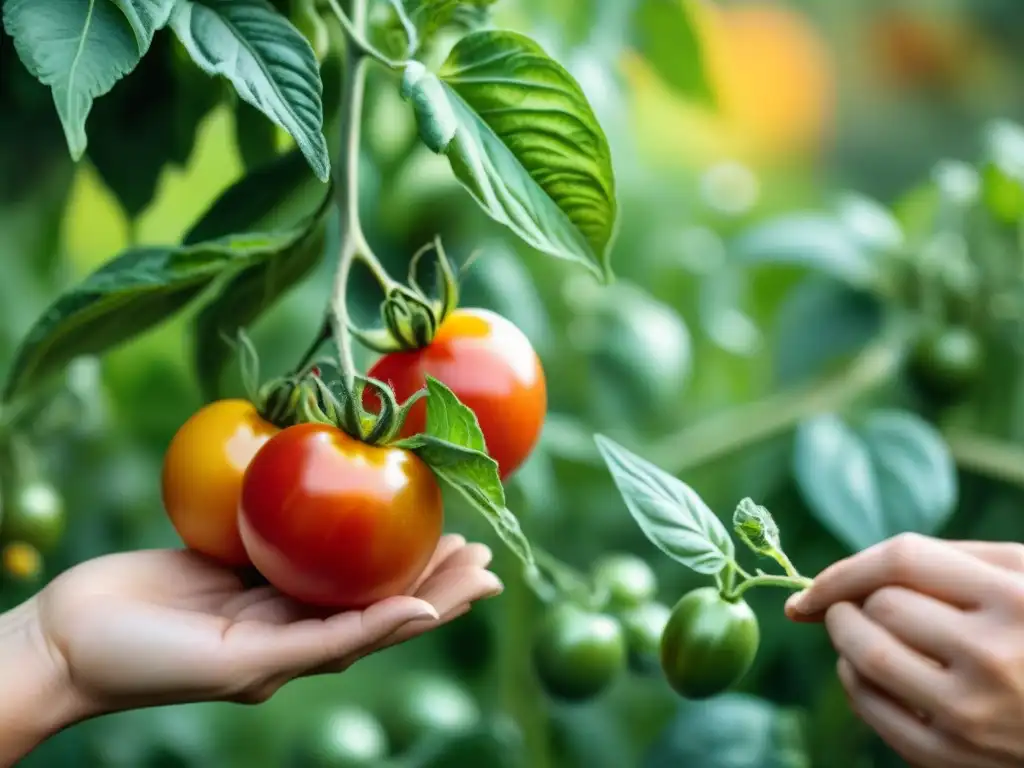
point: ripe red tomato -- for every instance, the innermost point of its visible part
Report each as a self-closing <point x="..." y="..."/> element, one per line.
<point x="202" y="476"/>
<point x="491" y="366"/>
<point x="335" y="522"/>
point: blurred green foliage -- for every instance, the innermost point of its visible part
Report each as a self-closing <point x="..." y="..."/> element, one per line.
<point x="676" y="339"/>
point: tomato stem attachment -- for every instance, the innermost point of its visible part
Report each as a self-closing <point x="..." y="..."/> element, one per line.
<point x="765" y="580"/>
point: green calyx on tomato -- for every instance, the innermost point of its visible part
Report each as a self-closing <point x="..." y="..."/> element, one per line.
<point x="333" y="521"/>
<point x="347" y="737"/>
<point x="411" y="315"/>
<point x="708" y="644"/>
<point x="490" y="366"/>
<point x="946" y="363"/>
<point x="578" y="653"/>
<point x="429" y="706"/>
<point x="644" y="626"/>
<point x="627" y="580"/>
<point x="34" y="514"/>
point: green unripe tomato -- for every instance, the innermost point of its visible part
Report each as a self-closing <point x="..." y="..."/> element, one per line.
<point x="644" y="626"/>
<point x="628" y="580"/>
<point x="709" y="643"/>
<point x="429" y="706"/>
<point x="945" y="363"/>
<point x="348" y="737"/>
<point x="578" y="653"/>
<point x="34" y="514"/>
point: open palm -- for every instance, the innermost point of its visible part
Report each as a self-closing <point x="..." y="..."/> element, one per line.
<point x="165" y="626"/>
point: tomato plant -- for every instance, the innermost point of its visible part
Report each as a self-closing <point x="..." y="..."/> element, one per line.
<point x="202" y="476"/>
<point x="709" y="643"/>
<point x="344" y="737"/>
<point x="429" y="707"/>
<point x="578" y="653"/>
<point x="335" y="522"/>
<point x="629" y="580"/>
<point x="491" y="366"/>
<point x="644" y="626"/>
<point x="34" y="514"/>
<point x="946" y="363"/>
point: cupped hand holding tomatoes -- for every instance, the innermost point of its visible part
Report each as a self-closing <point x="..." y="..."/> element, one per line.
<point x="491" y="367"/>
<point x="336" y="522"/>
<point x="202" y="476"/>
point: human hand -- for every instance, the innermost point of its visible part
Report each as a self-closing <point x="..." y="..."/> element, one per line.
<point x="930" y="637"/>
<point x="167" y="626"/>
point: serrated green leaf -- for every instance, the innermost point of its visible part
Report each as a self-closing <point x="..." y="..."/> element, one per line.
<point x="454" y="448"/>
<point x="269" y="62"/>
<point x="529" y="148"/>
<point x="81" y="48"/>
<point x="124" y="298"/>
<point x="670" y="513"/>
<point x="666" y="35"/>
<point x="258" y="286"/>
<point x="888" y="474"/>
<point x="450" y="420"/>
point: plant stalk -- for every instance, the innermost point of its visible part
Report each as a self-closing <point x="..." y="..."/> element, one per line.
<point x="352" y="238"/>
<point x="765" y="580"/>
<point x="748" y="424"/>
<point x="987" y="456"/>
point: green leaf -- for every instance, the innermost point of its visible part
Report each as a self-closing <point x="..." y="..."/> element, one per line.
<point x="255" y="136"/>
<point x="757" y="528"/>
<point x="258" y="286"/>
<point x="821" y="321"/>
<point x="125" y="297"/>
<point x="434" y="114"/>
<point x="668" y="511"/>
<point x="147" y="122"/>
<point x="275" y="197"/>
<point x="665" y="33"/>
<point x="816" y="241"/>
<point x="81" y="48"/>
<point x="734" y="730"/>
<point x="888" y="474"/>
<point x="529" y="148"/>
<point x="454" y="448"/>
<point x="269" y="62"/>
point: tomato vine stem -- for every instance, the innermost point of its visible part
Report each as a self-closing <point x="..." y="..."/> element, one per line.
<point x="355" y="32"/>
<point x="766" y="580"/>
<point x="988" y="456"/>
<point x="747" y="424"/>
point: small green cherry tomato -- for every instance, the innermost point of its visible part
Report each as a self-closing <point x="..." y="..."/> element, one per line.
<point x="628" y="580"/>
<point x="34" y="514"/>
<point x="644" y="625"/>
<point x="709" y="643"/>
<point x="945" y="364"/>
<point x="578" y="653"/>
<point x="348" y="737"/>
<point x="430" y="705"/>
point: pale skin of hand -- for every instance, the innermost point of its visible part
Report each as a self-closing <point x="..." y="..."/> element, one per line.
<point x="158" y="627"/>
<point x="930" y="637"/>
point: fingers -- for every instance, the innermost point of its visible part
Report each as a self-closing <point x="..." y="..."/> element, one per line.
<point x="314" y="642"/>
<point x="920" y="563"/>
<point x="915" y="741"/>
<point x="883" y="660"/>
<point x="448" y="545"/>
<point x="469" y="556"/>
<point x="1005" y="554"/>
<point x="921" y="622"/>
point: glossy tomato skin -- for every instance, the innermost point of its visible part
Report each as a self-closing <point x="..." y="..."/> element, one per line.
<point x="708" y="644"/>
<point x="202" y="476"/>
<point x="945" y="364"/>
<point x="491" y="366"/>
<point x="332" y="521"/>
<point x="628" y="580"/>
